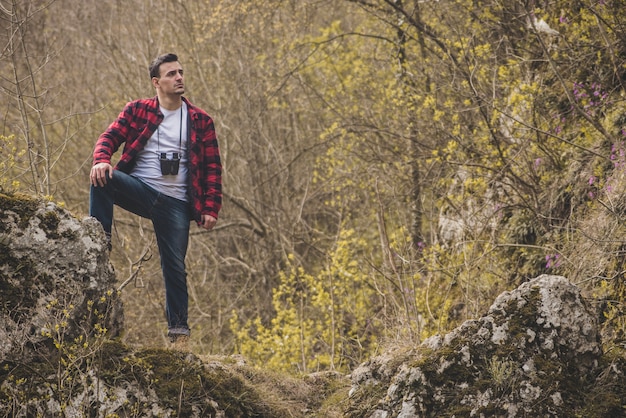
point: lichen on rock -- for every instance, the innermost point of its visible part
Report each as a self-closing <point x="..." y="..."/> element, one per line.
<point x="53" y="272"/>
<point x="535" y="353"/>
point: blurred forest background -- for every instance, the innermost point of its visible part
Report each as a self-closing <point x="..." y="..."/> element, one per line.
<point x="390" y="166"/>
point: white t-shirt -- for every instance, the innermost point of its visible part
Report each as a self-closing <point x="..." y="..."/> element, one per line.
<point x="170" y="137"/>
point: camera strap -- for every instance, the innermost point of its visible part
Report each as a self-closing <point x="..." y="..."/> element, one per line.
<point x="180" y="134"/>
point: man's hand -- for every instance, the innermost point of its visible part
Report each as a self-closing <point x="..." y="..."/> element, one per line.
<point x="100" y="173"/>
<point x="208" y="222"/>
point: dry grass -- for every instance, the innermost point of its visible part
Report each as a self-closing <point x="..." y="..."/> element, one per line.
<point x="315" y="395"/>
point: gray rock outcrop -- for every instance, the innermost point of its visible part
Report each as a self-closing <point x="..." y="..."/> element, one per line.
<point x="55" y="278"/>
<point x="534" y="354"/>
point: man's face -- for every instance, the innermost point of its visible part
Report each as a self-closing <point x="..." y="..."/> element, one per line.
<point x="171" y="79"/>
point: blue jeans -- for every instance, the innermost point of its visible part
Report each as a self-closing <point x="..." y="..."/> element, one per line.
<point x="170" y="218"/>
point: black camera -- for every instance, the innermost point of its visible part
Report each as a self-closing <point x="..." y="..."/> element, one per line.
<point x="169" y="165"/>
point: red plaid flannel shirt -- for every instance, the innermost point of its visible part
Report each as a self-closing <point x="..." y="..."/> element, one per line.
<point x="135" y="125"/>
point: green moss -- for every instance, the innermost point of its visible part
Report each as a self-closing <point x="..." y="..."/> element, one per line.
<point x="451" y="355"/>
<point x="116" y="362"/>
<point x="554" y="376"/>
<point x="50" y="224"/>
<point x="606" y="394"/>
<point x="181" y="383"/>
<point x="523" y="317"/>
<point x="490" y="410"/>
<point x="20" y="285"/>
<point x="24" y="206"/>
<point x="445" y="371"/>
<point x="24" y="380"/>
<point x="171" y="377"/>
<point x="332" y="397"/>
<point x="460" y="411"/>
<point x="365" y="400"/>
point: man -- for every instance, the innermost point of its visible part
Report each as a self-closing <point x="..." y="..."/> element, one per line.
<point x="169" y="172"/>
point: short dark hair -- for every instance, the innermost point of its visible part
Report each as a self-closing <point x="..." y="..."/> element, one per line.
<point x="155" y="66"/>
